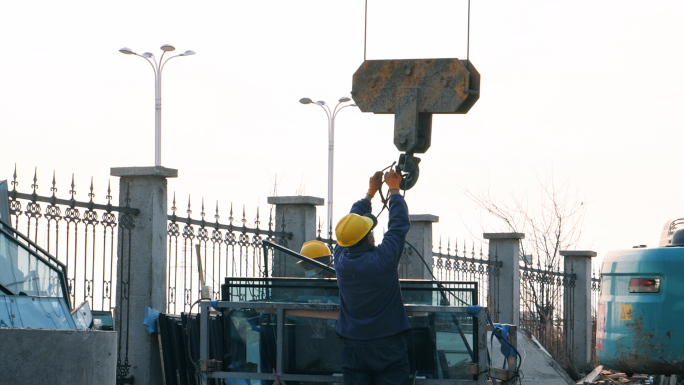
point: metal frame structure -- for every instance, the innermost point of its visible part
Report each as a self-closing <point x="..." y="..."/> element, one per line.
<point x="208" y="367"/>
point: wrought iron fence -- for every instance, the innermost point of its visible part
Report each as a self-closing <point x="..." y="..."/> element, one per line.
<point x="218" y="250"/>
<point x="83" y="235"/>
<point x="469" y="266"/>
<point x="595" y="293"/>
<point x="544" y="293"/>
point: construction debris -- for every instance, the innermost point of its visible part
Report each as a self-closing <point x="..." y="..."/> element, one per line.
<point x="599" y="376"/>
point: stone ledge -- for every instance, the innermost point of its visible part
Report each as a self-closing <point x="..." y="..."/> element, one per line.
<point x="295" y="200"/>
<point x="144" y="171"/>
<point x="423" y="218"/>
<point x="503" y="235"/>
<point x="578" y="253"/>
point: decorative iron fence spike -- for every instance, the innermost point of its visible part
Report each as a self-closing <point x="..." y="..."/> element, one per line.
<point x="189" y="211"/>
<point x="270" y="220"/>
<point x="128" y="194"/>
<point x="34" y="186"/>
<point x="53" y="189"/>
<point x="91" y="194"/>
<point x="14" y="181"/>
<point x="202" y="212"/>
<point x="109" y="195"/>
<point x="173" y="205"/>
<point x="73" y="187"/>
<point x="217" y="216"/>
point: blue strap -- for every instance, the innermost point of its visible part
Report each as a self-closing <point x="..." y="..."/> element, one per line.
<point x="503" y="336"/>
<point x="473" y="310"/>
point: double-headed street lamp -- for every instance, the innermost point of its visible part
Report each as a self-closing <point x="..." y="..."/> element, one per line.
<point x="332" y="114"/>
<point x="157" y="67"/>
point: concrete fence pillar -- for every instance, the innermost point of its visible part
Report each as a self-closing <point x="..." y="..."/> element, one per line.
<point x="144" y="268"/>
<point x="577" y="306"/>
<point x="417" y="264"/>
<point x="504" y="291"/>
<point x="299" y="215"/>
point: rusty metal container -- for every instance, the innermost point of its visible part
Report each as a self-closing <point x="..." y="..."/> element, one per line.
<point x="640" y="312"/>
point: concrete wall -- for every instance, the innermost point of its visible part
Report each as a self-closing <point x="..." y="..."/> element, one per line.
<point x="40" y="356"/>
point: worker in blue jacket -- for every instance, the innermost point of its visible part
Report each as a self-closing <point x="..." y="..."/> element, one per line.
<point x="372" y="320"/>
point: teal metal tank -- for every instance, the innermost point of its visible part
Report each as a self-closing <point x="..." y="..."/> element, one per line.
<point x="640" y="313"/>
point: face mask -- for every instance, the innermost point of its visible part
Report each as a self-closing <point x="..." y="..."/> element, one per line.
<point x="310" y="273"/>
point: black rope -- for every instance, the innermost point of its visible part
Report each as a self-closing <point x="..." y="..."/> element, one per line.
<point x="384" y="200"/>
<point x="442" y="291"/>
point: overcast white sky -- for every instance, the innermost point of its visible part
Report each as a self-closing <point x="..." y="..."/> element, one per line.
<point x="590" y="91"/>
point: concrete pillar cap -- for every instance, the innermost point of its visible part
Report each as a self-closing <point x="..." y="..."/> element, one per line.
<point x="423" y="218"/>
<point x="578" y="253"/>
<point x="503" y="235"/>
<point x="144" y="171"/>
<point x="295" y="200"/>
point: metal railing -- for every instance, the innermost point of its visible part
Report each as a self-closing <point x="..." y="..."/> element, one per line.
<point x="219" y="249"/>
<point x="595" y="294"/>
<point x="468" y="266"/>
<point x="82" y="235"/>
<point x="544" y="293"/>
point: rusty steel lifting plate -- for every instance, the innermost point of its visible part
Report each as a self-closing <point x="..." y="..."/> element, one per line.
<point x="413" y="90"/>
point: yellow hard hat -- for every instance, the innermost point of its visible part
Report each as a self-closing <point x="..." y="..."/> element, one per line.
<point x="353" y="227"/>
<point x="314" y="250"/>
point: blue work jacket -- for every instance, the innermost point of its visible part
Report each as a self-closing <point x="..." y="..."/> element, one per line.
<point x="370" y="297"/>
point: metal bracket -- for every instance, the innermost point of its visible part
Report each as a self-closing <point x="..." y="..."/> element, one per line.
<point x="413" y="90"/>
<point x="412" y="129"/>
<point x="408" y="165"/>
<point x="211" y="365"/>
<point x="500" y="374"/>
<point x="125" y="379"/>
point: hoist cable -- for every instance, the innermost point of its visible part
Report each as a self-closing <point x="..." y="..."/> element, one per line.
<point x="365" y="31"/>
<point x="468" y="41"/>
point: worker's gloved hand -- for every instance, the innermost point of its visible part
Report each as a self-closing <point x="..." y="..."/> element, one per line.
<point x="392" y="179"/>
<point x="375" y="183"/>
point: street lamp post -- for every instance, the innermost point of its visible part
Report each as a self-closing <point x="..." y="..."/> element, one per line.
<point x="157" y="67"/>
<point x="332" y="114"/>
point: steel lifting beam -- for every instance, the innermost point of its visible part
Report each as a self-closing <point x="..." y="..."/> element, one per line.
<point x="413" y="90"/>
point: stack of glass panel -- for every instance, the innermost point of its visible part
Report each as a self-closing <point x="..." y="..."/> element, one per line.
<point x="441" y="340"/>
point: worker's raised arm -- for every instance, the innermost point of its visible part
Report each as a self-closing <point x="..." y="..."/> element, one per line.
<point x="363" y="206"/>
<point x="393" y="181"/>
<point x="392" y="244"/>
<point x="374" y="185"/>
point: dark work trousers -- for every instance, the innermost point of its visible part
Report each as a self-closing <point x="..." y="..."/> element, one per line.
<point x="383" y="361"/>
